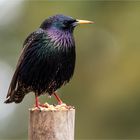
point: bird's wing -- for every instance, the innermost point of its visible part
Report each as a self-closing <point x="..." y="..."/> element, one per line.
<point x="26" y="45"/>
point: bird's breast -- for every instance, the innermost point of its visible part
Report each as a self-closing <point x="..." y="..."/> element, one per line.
<point x="61" y="38"/>
<point x="49" y="62"/>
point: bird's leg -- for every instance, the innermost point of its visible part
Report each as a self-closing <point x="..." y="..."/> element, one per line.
<point x="36" y="101"/>
<point x="58" y="98"/>
<point x="38" y="105"/>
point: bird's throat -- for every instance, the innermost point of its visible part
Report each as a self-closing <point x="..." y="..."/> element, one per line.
<point x="61" y="38"/>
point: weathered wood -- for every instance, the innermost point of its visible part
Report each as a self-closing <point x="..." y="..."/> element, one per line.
<point x="52" y="124"/>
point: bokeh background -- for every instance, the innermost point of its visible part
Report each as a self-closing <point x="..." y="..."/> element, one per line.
<point x="105" y="88"/>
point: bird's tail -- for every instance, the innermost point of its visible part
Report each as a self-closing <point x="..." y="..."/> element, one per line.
<point x="15" y="91"/>
<point x="16" y="97"/>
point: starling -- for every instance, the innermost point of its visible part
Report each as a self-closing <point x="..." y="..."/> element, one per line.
<point x="47" y="59"/>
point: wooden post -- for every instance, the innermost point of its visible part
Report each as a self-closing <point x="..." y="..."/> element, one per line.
<point x="55" y="123"/>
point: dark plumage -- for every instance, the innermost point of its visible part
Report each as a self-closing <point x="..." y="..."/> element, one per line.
<point x="47" y="60"/>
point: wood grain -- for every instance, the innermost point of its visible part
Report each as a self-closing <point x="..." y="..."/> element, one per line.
<point x="52" y="124"/>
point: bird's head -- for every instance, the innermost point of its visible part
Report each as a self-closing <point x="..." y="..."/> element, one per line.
<point x="62" y="22"/>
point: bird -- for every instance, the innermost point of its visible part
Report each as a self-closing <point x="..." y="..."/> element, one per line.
<point x="47" y="60"/>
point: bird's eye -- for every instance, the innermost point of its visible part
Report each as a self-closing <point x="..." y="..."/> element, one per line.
<point x="69" y="22"/>
<point x="66" y="23"/>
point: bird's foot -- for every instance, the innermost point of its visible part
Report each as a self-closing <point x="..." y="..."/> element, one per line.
<point x="41" y="106"/>
<point x="60" y="103"/>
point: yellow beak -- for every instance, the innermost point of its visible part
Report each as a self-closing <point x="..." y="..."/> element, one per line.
<point x="84" y="22"/>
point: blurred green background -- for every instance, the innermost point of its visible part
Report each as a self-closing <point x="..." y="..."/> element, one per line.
<point x="105" y="89"/>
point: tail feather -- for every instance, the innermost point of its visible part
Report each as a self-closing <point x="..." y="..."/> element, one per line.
<point x="15" y="92"/>
<point x="17" y="97"/>
<point x="8" y="101"/>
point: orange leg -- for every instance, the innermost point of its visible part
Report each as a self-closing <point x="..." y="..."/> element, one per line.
<point x="58" y="98"/>
<point x="37" y="104"/>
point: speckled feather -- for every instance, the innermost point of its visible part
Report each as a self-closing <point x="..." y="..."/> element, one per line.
<point x="46" y="63"/>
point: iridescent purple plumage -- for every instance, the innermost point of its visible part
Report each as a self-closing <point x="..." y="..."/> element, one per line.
<point x="61" y="38"/>
<point x="47" y="61"/>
